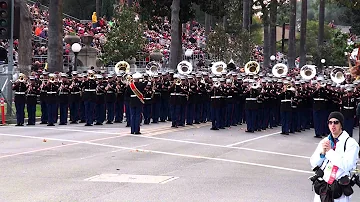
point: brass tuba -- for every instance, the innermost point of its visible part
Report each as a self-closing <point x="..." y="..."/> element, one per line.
<point x="279" y="70"/>
<point x="153" y="68"/>
<point x="218" y="68"/>
<point x="252" y="67"/>
<point x="177" y="82"/>
<point x="184" y="67"/>
<point x="122" y="66"/>
<point x="337" y="75"/>
<point x="308" y="72"/>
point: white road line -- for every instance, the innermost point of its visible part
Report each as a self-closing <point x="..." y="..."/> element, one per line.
<point x="114" y="151"/>
<point x="167" y="153"/>
<point x="221" y="146"/>
<point x="256" y="138"/>
<point x="123" y="134"/>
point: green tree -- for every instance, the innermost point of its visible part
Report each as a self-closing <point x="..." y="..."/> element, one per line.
<point x="334" y="44"/>
<point x="125" y="39"/>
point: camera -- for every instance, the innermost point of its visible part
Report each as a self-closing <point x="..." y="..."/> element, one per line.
<point x="355" y="180"/>
<point x="318" y="173"/>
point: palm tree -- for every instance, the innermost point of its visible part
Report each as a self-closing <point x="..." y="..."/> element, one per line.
<point x="292" y="31"/>
<point x="25" y="46"/>
<point x="246" y="14"/>
<point x="321" y="27"/>
<point x="98" y="8"/>
<point x="303" y="33"/>
<point x="55" y="44"/>
<point x="273" y="16"/>
<point x="175" y="47"/>
<point x="266" y="24"/>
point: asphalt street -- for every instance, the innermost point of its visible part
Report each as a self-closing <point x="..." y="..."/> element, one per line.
<point x="192" y="163"/>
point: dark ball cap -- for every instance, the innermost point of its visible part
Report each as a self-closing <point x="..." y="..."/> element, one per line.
<point x="338" y="116"/>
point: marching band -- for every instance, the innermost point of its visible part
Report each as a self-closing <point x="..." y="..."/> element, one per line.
<point x="226" y="99"/>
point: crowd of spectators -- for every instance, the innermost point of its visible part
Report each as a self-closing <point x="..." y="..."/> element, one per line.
<point x="158" y="36"/>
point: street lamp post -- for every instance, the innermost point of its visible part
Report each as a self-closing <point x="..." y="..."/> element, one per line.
<point x="272" y="58"/>
<point x="76" y="48"/>
<point x="322" y="64"/>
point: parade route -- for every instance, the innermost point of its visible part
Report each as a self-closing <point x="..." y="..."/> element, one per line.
<point x="192" y="163"/>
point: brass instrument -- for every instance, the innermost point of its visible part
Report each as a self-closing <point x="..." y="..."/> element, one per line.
<point x="177" y="82"/>
<point x="122" y="66"/>
<point x="252" y="67"/>
<point x="279" y="70"/>
<point x="337" y="75"/>
<point x="308" y="72"/>
<point x="126" y="79"/>
<point x="153" y="68"/>
<point x="218" y="68"/>
<point x="184" y="67"/>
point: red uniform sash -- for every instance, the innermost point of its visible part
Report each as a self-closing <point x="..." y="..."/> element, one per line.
<point x="136" y="92"/>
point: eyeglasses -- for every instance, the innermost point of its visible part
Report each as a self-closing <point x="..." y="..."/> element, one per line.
<point x="333" y="122"/>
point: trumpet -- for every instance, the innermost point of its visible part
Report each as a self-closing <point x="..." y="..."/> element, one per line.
<point x="177" y="82"/>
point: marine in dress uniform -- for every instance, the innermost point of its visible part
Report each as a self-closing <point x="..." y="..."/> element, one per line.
<point x="20" y="88"/>
<point x="286" y="98"/>
<point x="119" y="105"/>
<point x="148" y="94"/>
<point x="89" y="97"/>
<point x="100" y="110"/>
<point x="320" y="98"/>
<point x="251" y="107"/>
<point x="191" y="102"/>
<point x="51" y="89"/>
<point x="110" y="98"/>
<point x="75" y="98"/>
<point x="348" y="109"/>
<point x="64" y="92"/>
<point x="31" y="98"/>
<point x="176" y="94"/>
<point x="156" y="99"/>
<point x="43" y="104"/>
<point x="136" y="102"/>
<point x="165" y="96"/>
<point x="216" y="93"/>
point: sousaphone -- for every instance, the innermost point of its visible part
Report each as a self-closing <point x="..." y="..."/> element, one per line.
<point x="252" y="67"/>
<point x="184" y="67"/>
<point x="122" y="66"/>
<point x="152" y="68"/>
<point x="218" y="68"/>
<point x="308" y="72"/>
<point x="279" y="70"/>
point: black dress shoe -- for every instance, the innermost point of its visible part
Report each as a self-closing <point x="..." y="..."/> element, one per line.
<point x="19" y="124"/>
<point x="44" y="122"/>
<point x="189" y="124"/>
<point x="88" y="124"/>
<point x="173" y="126"/>
<point x="109" y="122"/>
<point x="249" y="131"/>
<point x="62" y="124"/>
<point x="214" y="129"/>
<point x="197" y="123"/>
<point x="137" y="133"/>
<point x="98" y="124"/>
<point x="82" y="121"/>
<point x="73" y="122"/>
<point x="50" y="124"/>
<point x="234" y="124"/>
